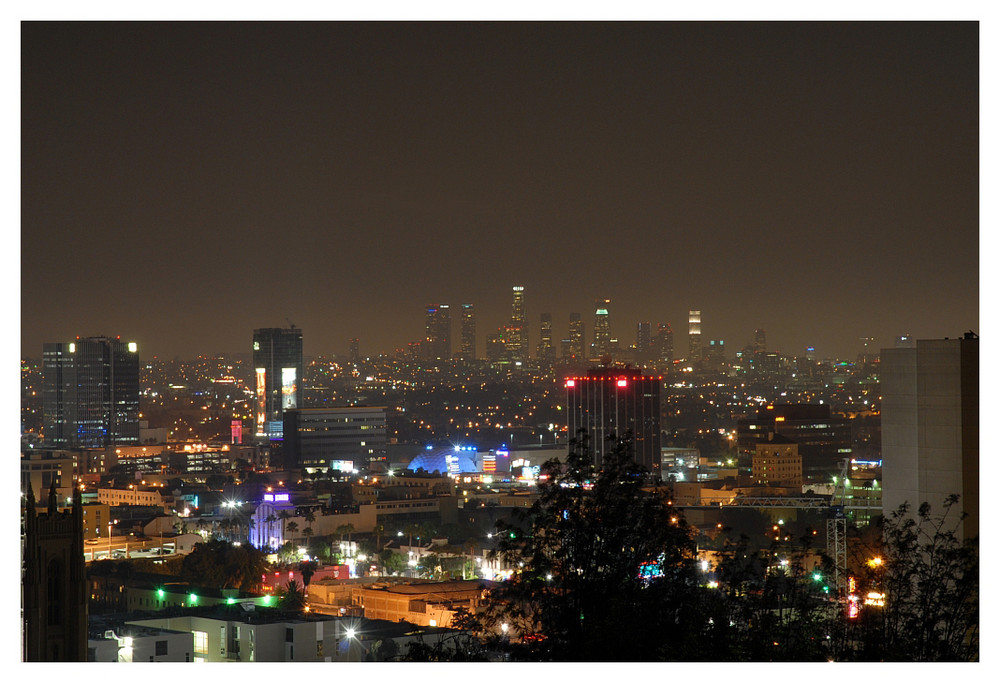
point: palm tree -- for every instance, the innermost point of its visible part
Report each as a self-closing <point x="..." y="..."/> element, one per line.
<point x="271" y="519"/>
<point x="284" y="515"/>
<point x="291" y="528"/>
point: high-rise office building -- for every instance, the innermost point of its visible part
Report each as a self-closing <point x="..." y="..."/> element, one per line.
<point x="438" y="342"/>
<point x="694" y="336"/>
<point x="317" y="439"/>
<point x="277" y="361"/>
<point x="355" y="352"/>
<point x="620" y="403"/>
<point x="665" y="343"/>
<point x="823" y="439"/>
<point x="496" y="347"/>
<point x="643" y="343"/>
<point x="716" y="353"/>
<point x="602" y="329"/>
<point x="759" y="341"/>
<point x="576" y="336"/>
<point x="90" y="393"/>
<point x="930" y="426"/>
<point x="546" y="351"/>
<point x="517" y="331"/>
<point x="468" y="331"/>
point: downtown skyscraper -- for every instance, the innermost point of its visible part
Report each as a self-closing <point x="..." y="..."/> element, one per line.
<point x="277" y="361"/>
<point x="602" y="329"/>
<point x="516" y="333"/>
<point x="90" y="393"/>
<point x="546" y="351"/>
<point x="468" y="331"/>
<point x="694" y="337"/>
<point x="665" y="343"/>
<point x="575" y="341"/>
<point x="438" y="340"/>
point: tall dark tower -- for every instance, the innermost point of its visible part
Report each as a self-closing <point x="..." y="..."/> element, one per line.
<point x="355" y="352"/>
<point x="90" y="393"/>
<point x="759" y="341"/>
<point x="665" y="343"/>
<point x="438" y="332"/>
<point x="53" y="582"/>
<point x="576" y="336"/>
<point x="468" y="331"/>
<point x="643" y="343"/>
<point x="546" y="351"/>
<point x="277" y="361"/>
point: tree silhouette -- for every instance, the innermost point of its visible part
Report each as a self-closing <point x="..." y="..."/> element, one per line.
<point x="929" y="578"/>
<point x="604" y="568"/>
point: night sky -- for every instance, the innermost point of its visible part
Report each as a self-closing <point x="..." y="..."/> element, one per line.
<point x="185" y="183"/>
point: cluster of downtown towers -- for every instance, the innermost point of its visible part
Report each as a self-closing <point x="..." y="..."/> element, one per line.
<point x="510" y="342"/>
<point x="91" y="385"/>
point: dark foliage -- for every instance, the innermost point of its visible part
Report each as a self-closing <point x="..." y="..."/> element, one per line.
<point x="219" y="564"/>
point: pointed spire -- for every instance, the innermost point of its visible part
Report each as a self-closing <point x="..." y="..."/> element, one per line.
<point x="53" y="498"/>
<point x="30" y="496"/>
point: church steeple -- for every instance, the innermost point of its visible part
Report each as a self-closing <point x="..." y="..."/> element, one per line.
<point x="53" y="498"/>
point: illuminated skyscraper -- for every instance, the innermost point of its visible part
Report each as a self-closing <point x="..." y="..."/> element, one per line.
<point x="90" y="393"/>
<point x="438" y="343"/>
<point x="602" y="329"/>
<point x="694" y="336"/>
<point x="619" y="403"/>
<point x="576" y="335"/>
<point x="355" y="352"/>
<point x="277" y="361"/>
<point x="517" y="330"/>
<point x="468" y="331"/>
<point x="546" y="351"/>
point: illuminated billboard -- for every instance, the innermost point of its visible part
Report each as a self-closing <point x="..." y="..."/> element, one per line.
<point x="288" y="386"/>
<point x="261" y="400"/>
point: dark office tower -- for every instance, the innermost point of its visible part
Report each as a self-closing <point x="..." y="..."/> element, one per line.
<point x="694" y="336"/>
<point x="930" y="426"/>
<point x="576" y="335"/>
<point x="617" y="402"/>
<point x="602" y="329"/>
<point x="315" y="438"/>
<point x="355" y="353"/>
<point x="53" y="582"/>
<point x="824" y="439"/>
<point x="517" y="330"/>
<point x="759" y="341"/>
<point x="546" y="351"/>
<point x="277" y="360"/>
<point x="496" y="347"/>
<point x="717" y="352"/>
<point x="665" y="343"/>
<point x="643" y="343"/>
<point x="90" y="393"/>
<point x="468" y="331"/>
<point x="438" y="346"/>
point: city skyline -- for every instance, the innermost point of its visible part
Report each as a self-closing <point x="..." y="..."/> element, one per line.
<point x="189" y="183"/>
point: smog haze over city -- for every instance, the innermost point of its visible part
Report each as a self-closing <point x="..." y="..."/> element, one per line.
<point x="185" y="183"/>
